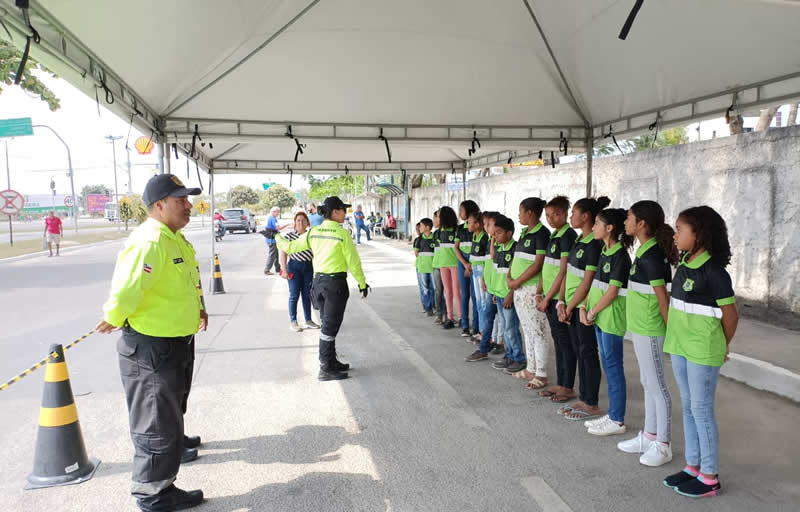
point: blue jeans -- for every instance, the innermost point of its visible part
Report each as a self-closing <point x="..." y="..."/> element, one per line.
<point x="697" y="384"/>
<point x="359" y="227"/>
<point x="610" y="346"/>
<point x="300" y="286"/>
<point x="425" y="282"/>
<point x="510" y="324"/>
<point x="467" y="292"/>
<point x="480" y="296"/>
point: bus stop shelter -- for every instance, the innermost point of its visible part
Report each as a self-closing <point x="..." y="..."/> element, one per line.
<point x="340" y="87"/>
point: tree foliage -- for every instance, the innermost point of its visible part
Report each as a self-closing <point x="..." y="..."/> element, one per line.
<point x="341" y="186"/>
<point x="668" y="137"/>
<point x="277" y="195"/>
<point x="242" y="196"/>
<point x="10" y="58"/>
<point x="131" y="208"/>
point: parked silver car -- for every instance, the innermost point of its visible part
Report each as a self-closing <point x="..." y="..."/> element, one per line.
<point x="239" y="219"/>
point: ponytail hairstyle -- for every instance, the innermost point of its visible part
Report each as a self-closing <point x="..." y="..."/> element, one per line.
<point x="653" y="215"/>
<point x="710" y="231"/>
<point x="560" y="202"/>
<point x="470" y="206"/>
<point x="324" y="211"/>
<point x="447" y="218"/>
<point x="592" y="206"/>
<point x="534" y="205"/>
<point x="615" y="217"/>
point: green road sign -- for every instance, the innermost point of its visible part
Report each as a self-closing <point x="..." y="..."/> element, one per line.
<point x="265" y="185"/>
<point x="16" y="127"/>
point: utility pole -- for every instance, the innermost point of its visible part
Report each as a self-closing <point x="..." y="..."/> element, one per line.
<point x="112" y="140"/>
<point x="8" y="177"/>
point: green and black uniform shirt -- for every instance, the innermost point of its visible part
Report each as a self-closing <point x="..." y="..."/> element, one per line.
<point x="694" y="327"/>
<point x="480" y="249"/>
<point x="447" y="248"/>
<point x="531" y="243"/>
<point x="649" y="269"/>
<point x="436" y="250"/>
<point x="424" y="244"/>
<point x="584" y="256"/>
<point x="464" y="239"/>
<point x="612" y="270"/>
<point x="561" y="242"/>
<point x="503" y="256"/>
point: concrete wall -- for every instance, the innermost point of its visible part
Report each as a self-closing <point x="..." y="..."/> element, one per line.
<point x="752" y="180"/>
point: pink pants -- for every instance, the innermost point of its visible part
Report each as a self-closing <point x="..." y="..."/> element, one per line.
<point x="452" y="290"/>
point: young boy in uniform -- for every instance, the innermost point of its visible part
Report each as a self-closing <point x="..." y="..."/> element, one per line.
<point x="423" y="250"/>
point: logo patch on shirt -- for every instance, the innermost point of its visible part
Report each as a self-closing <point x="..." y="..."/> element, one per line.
<point x="177" y="260"/>
<point x="508" y="257"/>
<point x="579" y="254"/>
<point x="147" y="268"/>
<point x="527" y="243"/>
<point x="633" y="269"/>
<point x="553" y="249"/>
<point x="688" y="285"/>
<point x="607" y="268"/>
<point x="451" y="238"/>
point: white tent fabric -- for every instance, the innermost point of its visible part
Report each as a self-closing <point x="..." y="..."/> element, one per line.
<point x="433" y="73"/>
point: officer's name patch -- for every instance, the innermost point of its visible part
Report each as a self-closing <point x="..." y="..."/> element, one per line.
<point x="147" y="268"/>
<point x="177" y="260"/>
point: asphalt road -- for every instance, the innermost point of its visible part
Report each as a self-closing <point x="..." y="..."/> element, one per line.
<point x="414" y="429"/>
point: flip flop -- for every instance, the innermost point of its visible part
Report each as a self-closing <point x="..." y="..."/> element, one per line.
<point x="577" y="415"/>
<point x="564" y="409"/>
<point x="536" y="383"/>
<point x="522" y="375"/>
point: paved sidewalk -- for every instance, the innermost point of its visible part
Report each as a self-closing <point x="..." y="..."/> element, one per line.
<point x="414" y="429"/>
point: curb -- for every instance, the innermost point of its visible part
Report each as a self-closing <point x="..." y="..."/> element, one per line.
<point x="755" y="373"/>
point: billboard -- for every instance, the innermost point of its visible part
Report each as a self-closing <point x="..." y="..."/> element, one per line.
<point x="96" y="203"/>
<point x="43" y="203"/>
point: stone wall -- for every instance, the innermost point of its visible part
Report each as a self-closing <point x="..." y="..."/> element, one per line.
<point x="752" y="180"/>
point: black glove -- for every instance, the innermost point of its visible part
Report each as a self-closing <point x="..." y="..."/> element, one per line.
<point x="364" y="291"/>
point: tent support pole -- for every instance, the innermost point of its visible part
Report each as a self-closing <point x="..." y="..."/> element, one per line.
<point x="165" y="156"/>
<point x="589" y="159"/>
<point x="464" y="182"/>
<point x="213" y="209"/>
<point x="407" y="204"/>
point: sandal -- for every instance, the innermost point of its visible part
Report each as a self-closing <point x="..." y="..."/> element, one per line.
<point x="564" y="410"/>
<point x="536" y="383"/>
<point x="523" y="374"/>
<point x="579" y="414"/>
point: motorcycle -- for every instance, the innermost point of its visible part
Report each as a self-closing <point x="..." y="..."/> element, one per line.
<point x="219" y="230"/>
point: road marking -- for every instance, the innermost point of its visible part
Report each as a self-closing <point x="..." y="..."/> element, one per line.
<point x="544" y="495"/>
<point x="436" y="381"/>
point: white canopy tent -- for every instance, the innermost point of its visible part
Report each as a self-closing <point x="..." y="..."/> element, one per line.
<point x="411" y="86"/>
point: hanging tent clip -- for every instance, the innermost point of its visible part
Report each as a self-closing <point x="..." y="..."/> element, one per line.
<point x="475" y="141"/>
<point x="553" y="159"/>
<point x="195" y="138"/>
<point x="562" y="143"/>
<point x="346" y="171"/>
<point x="300" y="147"/>
<point x="175" y="149"/>
<point x="290" y="172"/>
<point x="23" y="5"/>
<point x="540" y="155"/>
<point x="654" y="126"/>
<point x="613" y="138"/>
<point x="386" y="143"/>
<point x="623" y="34"/>
<point x="731" y="112"/>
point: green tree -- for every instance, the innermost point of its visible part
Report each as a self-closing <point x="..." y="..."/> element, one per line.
<point x="131" y="208"/>
<point x="279" y="196"/>
<point x="10" y="58"/>
<point x="668" y="137"/>
<point x="242" y="195"/>
<point x="342" y="186"/>
<point x="94" y="189"/>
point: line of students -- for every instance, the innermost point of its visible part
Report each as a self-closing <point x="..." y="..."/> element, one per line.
<point x="590" y="293"/>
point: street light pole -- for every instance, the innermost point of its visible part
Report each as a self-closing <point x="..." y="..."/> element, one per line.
<point x="112" y="139"/>
<point x="71" y="173"/>
<point x="130" y="184"/>
<point x="8" y="176"/>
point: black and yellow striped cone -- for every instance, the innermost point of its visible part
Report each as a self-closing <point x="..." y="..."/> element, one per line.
<point x="60" y="453"/>
<point x="216" y="281"/>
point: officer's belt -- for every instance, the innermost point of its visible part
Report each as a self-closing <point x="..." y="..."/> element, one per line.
<point x="334" y="275"/>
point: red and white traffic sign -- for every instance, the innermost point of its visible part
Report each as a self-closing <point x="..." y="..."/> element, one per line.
<point x="11" y="202"/>
<point x="68" y="201"/>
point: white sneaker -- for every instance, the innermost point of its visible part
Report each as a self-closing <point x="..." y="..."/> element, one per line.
<point x="607" y="428"/>
<point x="657" y="455"/>
<point x="310" y="324"/>
<point x="295" y="327"/>
<point x="596" y="421"/>
<point x="638" y="444"/>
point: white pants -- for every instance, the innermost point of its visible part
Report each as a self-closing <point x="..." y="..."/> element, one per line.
<point x="533" y="323"/>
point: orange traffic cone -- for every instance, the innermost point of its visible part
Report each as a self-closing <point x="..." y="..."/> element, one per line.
<point x="60" y="453"/>
<point x="216" y="281"/>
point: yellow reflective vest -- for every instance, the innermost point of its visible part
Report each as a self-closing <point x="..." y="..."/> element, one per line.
<point x="334" y="250"/>
<point x="156" y="283"/>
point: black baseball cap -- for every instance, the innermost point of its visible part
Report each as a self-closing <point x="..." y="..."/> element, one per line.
<point x="334" y="203"/>
<point x="166" y="185"/>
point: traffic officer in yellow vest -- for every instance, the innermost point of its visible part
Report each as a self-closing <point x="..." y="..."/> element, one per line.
<point x="156" y="300"/>
<point x="334" y="254"/>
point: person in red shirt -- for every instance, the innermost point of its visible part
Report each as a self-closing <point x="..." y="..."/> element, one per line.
<point x="218" y="216"/>
<point x="53" y="232"/>
<point x="391" y="225"/>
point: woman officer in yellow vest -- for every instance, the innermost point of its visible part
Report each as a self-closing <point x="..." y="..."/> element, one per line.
<point x="334" y="254"/>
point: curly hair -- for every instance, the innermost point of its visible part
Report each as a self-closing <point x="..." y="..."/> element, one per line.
<point x="711" y="233"/>
<point x="653" y="215"/>
<point x="615" y="217"/>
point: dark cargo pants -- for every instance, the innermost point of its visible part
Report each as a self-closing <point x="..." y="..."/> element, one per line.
<point x="329" y="293"/>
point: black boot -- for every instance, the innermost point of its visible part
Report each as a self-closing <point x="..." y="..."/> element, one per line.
<point x="340" y="366"/>
<point x="170" y="498"/>
<point x="191" y="441"/>
<point x="327" y="373"/>
<point x="188" y="455"/>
